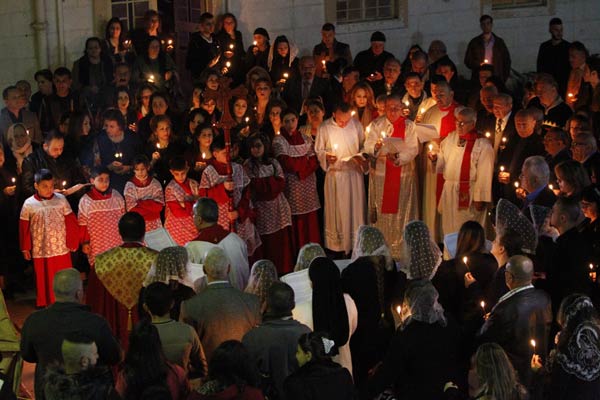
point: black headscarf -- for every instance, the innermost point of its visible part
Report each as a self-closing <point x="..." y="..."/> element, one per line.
<point x="328" y="304"/>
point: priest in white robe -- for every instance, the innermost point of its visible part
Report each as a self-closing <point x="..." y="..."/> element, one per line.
<point x="339" y="145"/>
<point x="393" y="196"/>
<point x="442" y="117"/>
<point x="467" y="163"/>
<point x="210" y="235"/>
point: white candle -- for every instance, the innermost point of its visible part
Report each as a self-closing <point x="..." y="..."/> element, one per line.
<point x="591" y="265"/>
<point x="323" y="62"/>
<point x="368" y="129"/>
<point x="422" y="110"/>
<point x="247" y="119"/>
<point x="335" y="147"/>
<point x="430" y="147"/>
<point x="203" y="155"/>
<point x="383" y="134"/>
<point x="228" y="64"/>
<point x="158" y="145"/>
<point x="151" y="78"/>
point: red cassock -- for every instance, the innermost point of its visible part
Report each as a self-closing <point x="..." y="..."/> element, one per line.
<point x="48" y="230"/>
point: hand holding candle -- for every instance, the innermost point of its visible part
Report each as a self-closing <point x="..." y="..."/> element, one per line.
<point x="430" y="153"/>
<point x="503" y="175"/>
<point x="592" y="273"/>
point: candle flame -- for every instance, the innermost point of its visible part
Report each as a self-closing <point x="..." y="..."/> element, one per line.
<point x="569" y="94"/>
<point x="486" y="61"/>
<point x="64" y="183"/>
<point x="368" y="129"/>
<point x="465" y="260"/>
<point x="13" y="180"/>
<point x="247" y="119"/>
<point x="254" y="43"/>
<point x="422" y="110"/>
<point x="203" y="155"/>
<point x="591" y="265"/>
<point x="551" y="186"/>
<point x="228" y="64"/>
<point x="335" y="146"/>
<point x="383" y="134"/>
<point x="323" y="62"/>
<point x="231" y="46"/>
<point x="277" y="132"/>
<point x="158" y="145"/>
<point x="532" y="341"/>
<point x="353" y="113"/>
<point x="488" y="135"/>
<point x="430" y="147"/>
<point x="482" y="304"/>
<point x="517" y="184"/>
<point x="503" y="139"/>
<point x="170" y="41"/>
<point x="502" y="168"/>
<point x="399" y="310"/>
<point x="286" y="75"/>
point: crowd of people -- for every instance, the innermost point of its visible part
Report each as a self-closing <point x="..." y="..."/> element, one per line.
<point x="305" y="226"/>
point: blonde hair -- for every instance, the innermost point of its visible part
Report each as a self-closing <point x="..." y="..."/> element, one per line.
<point x="496" y="374"/>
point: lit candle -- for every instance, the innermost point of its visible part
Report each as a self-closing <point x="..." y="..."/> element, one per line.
<point x="285" y="75"/>
<point x="14" y="180"/>
<point x="502" y="168"/>
<point x="504" y="140"/>
<point x="486" y="61"/>
<point x="254" y="43"/>
<point x="383" y="134"/>
<point x="335" y="147"/>
<point x="422" y="110"/>
<point x="569" y="95"/>
<point x="203" y="155"/>
<point x="158" y="146"/>
<point x="430" y="147"/>
<point x="231" y="46"/>
<point x="277" y="132"/>
<point x="532" y="342"/>
<point x="488" y="135"/>
<point x="368" y="129"/>
<point x="516" y="184"/>
<point x="591" y="265"/>
<point x="151" y="78"/>
<point x="64" y="184"/>
<point x="482" y="304"/>
<point x="247" y="119"/>
<point x="170" y="41"/>
<point x="399" y="310"/>
<point x="551" y="186"/>
<point x="465" y="260"/>
<point x="228" y="64"/>
<point x="406" y="103"/>
<point x="323" y="62"/>
<point x="353" y="113"/>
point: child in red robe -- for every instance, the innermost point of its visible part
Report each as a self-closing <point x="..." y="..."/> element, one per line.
<point x="217" y="186"/>
<point x="99" y="212"/>
<point x="180" y="195"/>
<point x="47" y="234"/>
<point x="144" y="195"/>
<point x="274" y="218"/>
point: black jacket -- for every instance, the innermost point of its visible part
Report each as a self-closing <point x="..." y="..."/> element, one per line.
<point x="292" y="92"/>
<point x="514" y="322"/>
<point x="44" y="331"/>
<point x="319" y="381"/>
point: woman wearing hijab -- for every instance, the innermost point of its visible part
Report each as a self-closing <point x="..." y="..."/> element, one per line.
<point x="423" y="354"/>
<point x="329" y="310"/>
<point x="573" y="368"/>
<point x="368" y="279"/>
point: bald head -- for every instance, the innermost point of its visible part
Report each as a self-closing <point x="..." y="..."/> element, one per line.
<point x="519" y="270"/>
<point x="216" y="265"/>
<point x="67" y="285"/>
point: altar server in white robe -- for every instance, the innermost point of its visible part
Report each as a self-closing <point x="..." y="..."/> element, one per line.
<point x="467" y="163"/>
<point x="339" y="145"/>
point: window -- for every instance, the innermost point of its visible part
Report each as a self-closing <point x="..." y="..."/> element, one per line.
<point x="130" y="12"/>
<point x="347" y="11"/>
<point x="504" y="4"/>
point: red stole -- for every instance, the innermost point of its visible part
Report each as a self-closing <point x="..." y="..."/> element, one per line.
<point x="393" y="174"/>
<point x="465" y="171"/>
<point x="97" y="195"/>
<point x="141" y="184"/>
<point x="447" y="125"/>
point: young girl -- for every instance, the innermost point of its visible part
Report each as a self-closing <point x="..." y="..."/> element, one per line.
<point x="216" y="186"/>
<point x="201" y="154"/>
<point x="180" y="195"/>
<point x="296" y="154"/>
<point x="144" y="195"/>
<point x="99" y="212"/>
<point x="47" y="234"/>
<point x="274" y="219"/>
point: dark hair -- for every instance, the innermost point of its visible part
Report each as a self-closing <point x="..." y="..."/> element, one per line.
<point x="218" y="143"/>
<point x="46" y="73"/>
<point x="315" y="102"/>
<point x="114" y="20"/>
<point x="313" y="342"/>
<point x="254" y="163"/>
<point x="93" y="39"/>
<point x="574" y="174"/>
<point x="123" y="89"/>
<point x="569" y="206"/>
<point x="412" y="75"/>
<point x="192" y="114"/>
<point x="178" y="163"/>
<point x="161" y="95"/>
<point x="593" y="63"/>
<point x="113" y="114"/>
<point x="231" y="364"/>
<point x="75" y="128"/>
<point x="513" y="242"/>
<point x="145" y="363"/>
<point x="78" y="336"/>
<point x="157" y="119"/>
<point x="471" y="239"/>
<point x="556" y="21"/>
<point x="485" y="17"/>
<point x="132" y="227"/>
<point x="53" y="135"/>
<point x="158" y="298"/>
<point x="207" y="209"/>
<point x="97" y="171"/>
<point x="43" y="175"/>
<point x="7" y="90"/>
<point x="205" y="17"/>
<point x="591" y="194"/>
<point x="230" y="15"/>
<point x="578" y="46"/>
<point x="141" y="159"/>
<point x="280" y="298"/>
<point x="328" y="26"/>
<point x="63" y="71"/>
<point x="341" y="106"/>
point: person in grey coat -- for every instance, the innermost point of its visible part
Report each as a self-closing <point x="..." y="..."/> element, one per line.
<point x="220" y="312"/>
<point x="273" y="344"/>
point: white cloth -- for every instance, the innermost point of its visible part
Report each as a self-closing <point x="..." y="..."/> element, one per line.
<point x="236" y="251"/>
<point x="303" y="314"/>
<point x="392" y="225"/>
<point x="449" y="163"/>
<point x="344" y="182"/>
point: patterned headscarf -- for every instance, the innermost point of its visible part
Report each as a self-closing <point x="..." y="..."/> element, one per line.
<point x="370" y="242"/>
<point x="539" y="214"/>
<point x="580" y="355"/>
<point x="262" y="275"/>
<point x="307" y="253"/>
<point x="171" y="264"/>
<point x="509" y="217"/>
<point x="421" y="304"/>
<point x="422" y="256"/>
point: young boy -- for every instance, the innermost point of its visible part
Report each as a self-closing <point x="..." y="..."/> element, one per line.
<point x="47" y="233"/>
<point x="144" y="195"/>
<point x="99" y="212"/>
<point x="217" y="187"/>
<point x="180" y="195"/>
